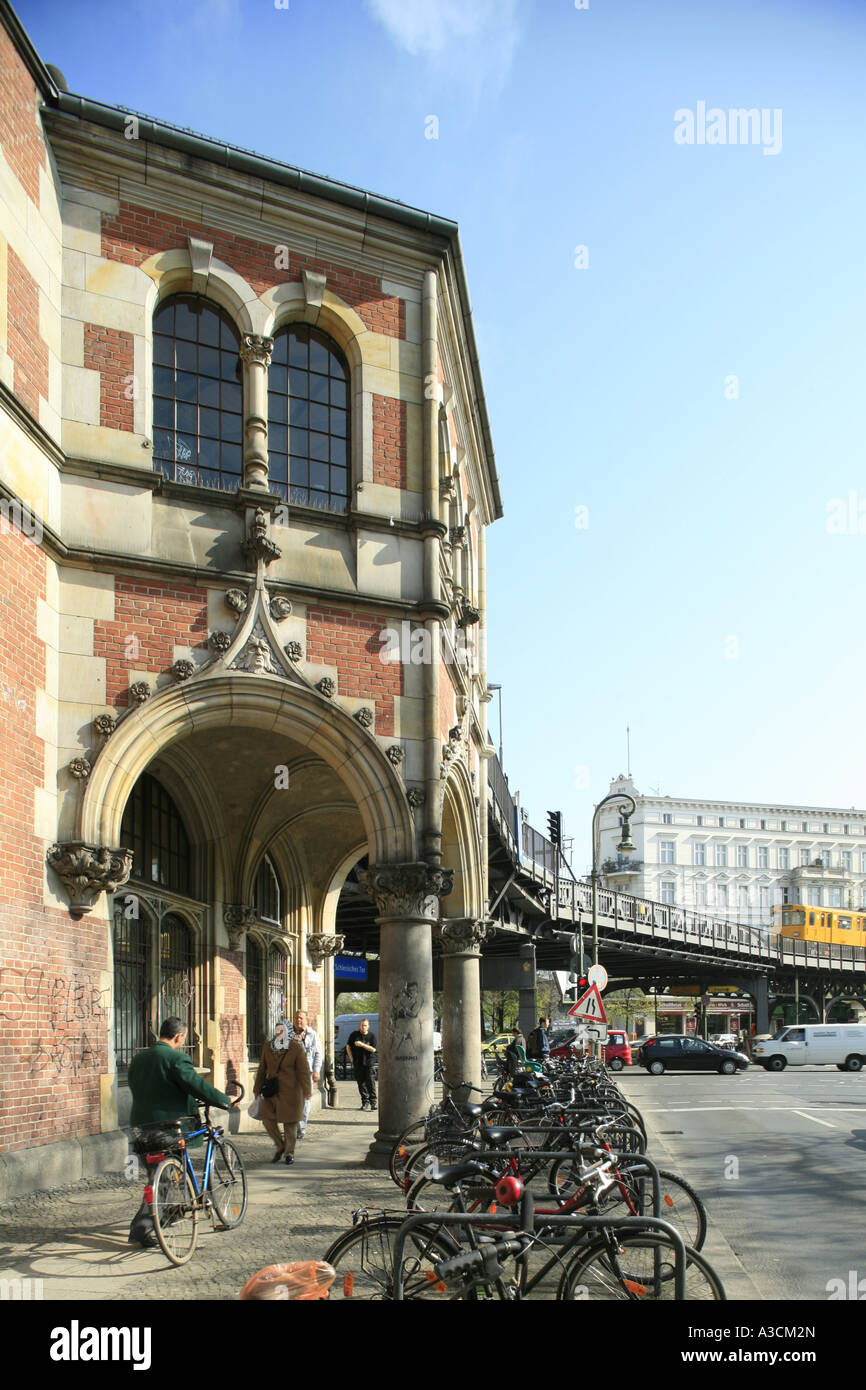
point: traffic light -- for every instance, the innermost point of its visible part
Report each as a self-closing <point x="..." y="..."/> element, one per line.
<point x="554" y="827"/>
<point x="577" y="981"/>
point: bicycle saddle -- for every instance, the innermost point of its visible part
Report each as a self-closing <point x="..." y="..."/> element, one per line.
<point x="495" y="1135"/>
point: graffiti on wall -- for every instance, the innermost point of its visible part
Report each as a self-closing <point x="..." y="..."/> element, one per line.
<point x="70" y="1014"/>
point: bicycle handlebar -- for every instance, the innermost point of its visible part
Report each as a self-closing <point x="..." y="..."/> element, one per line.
<point x="486" y="1259"/>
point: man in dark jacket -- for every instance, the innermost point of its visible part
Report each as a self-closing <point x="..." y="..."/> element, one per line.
<point x="538" y="1042"/>
<point x="165" y="1087"/>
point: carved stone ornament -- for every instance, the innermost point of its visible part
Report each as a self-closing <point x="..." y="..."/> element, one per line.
<point x="255" y="348"/>
<point x="105" y="724"/>
<point x="293" y="650"/>
<point x="258" y="545"/>
<point x="257" y="656"/>
<point x="408" y="890"/>
<point x="458" y="535"/>
<point x="280" y="608"/>
<point x="88" y="870"/>
<point x="416" y="796"/>
<point x="467" y="614"/>
<point x="320" y="945"/>
<point x="220" y="641"/>
<point x="80" y="769"/>
<point x="395" y="754"/>
<point x="236" y="600"/>
<point x="364" y="716"/>
<point x="183" y="669"/>
<point x="448" y="487"/>
<point x="463" y="936"/>
<point x="139" y="692"/>
<point x="236" y="920"/>
<point x="327" y="686"/>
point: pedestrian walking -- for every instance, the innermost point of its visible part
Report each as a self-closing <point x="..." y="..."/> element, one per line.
<point x="538" y="1042"/>
<point x="312" y="1045"/>
<point x="165" y="1087"/>
<point x="283" y="1081"/>
<point x="361" y="1049"/>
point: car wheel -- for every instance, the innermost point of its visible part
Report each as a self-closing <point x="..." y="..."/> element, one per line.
<point x="777" y="1064"/>
<point x="727" y="1068"/>
<point x="853" y="1063"/>
<point x="840" y="1066"/>
<point x="656" y="1068"/>
<point x="615" y="1064"/>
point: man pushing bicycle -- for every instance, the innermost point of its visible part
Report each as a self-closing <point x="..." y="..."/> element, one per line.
<point x="165" y="1087"/>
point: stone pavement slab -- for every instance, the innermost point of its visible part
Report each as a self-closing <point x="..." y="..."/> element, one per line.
<point x="74" y="1240"/>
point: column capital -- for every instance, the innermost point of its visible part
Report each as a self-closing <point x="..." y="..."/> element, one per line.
<point x="256" y="348"/>
<point x="237" y="919"/>
<point x="408" y="890"/>
<point x="321" y="945"/>
<point x="88" y="870"/>
<point x="463" y="936"/>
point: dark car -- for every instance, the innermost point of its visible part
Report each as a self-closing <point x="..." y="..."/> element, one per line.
<point x="679" y="1052"/>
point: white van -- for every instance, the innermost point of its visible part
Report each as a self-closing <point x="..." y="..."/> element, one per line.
<point x="842" y="1044"/>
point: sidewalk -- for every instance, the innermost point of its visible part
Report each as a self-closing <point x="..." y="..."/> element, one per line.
<point x="75" y="1240"/>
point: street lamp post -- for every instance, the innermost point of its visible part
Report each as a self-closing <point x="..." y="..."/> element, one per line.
<point x="625" y="846"/>
<point x="795" y="935"/>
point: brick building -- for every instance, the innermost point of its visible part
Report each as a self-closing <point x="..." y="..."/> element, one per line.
<point x="245" y="476"/>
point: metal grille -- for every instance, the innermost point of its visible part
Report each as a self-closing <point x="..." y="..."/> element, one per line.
<point x="276" y="988"/>
<point x="132" y="1029"/>
<point x="255" y="981"/>
<point x="177" y="974"/>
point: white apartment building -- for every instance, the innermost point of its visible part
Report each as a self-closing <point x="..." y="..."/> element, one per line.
<point x="735" y="860"/>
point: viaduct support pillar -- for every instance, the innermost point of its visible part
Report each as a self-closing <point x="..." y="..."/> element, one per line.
<point x="759" y="989"/>
<point x="407" y="897"/>
<point x="461" y="940"/>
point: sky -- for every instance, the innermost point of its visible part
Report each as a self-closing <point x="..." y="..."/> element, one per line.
<point x="670" y="320"/>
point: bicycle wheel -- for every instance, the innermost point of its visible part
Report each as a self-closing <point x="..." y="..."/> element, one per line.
<point x="364" y="1261"/>
<point x="175" y="1211"/>
<point x="479" y="1194"/>
<point x="623" y="1270"/>
<point x="441" y="1154"/>
<point x="680" y="1205"/>
<point x="411" y="1139"/>
<point x="227" y="1184"/>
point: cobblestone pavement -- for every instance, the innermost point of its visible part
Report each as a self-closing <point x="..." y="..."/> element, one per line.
<point x="74" y="1240"/>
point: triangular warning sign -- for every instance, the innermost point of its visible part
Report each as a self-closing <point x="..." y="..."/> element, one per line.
<point x="589" y="1006"/>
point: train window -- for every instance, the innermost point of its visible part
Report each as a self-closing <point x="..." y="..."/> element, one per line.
<point x="811" y="919"/>
<point x="843" y="923"/>
<point x="798" y="918"/>
<point x="786" y="919"/>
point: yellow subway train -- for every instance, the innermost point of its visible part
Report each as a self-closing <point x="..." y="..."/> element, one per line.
<point x="841" y="926"/>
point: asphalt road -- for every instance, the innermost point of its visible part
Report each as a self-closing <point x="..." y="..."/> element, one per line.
<point x="780" y="1161"/>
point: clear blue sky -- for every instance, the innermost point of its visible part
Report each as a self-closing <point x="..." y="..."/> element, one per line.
<point x="706" y="603"/>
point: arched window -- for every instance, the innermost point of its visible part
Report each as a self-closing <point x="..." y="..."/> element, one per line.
<point x="267" y="897"/>
<point x="308" y="420"/>
<point x="277" y="994"/>
<point x="153" y="830"/>
<point x="177" y="973"/>
<point x="154" y="977"/>
<point x="132" y="987"/>
<point x="197" y="395"/>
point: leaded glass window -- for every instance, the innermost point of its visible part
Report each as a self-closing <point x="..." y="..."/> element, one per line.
<point x="197" y="394"/>
<point x="308" y="420"/>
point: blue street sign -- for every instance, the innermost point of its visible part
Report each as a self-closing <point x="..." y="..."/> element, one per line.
<point x="350" y="967"/>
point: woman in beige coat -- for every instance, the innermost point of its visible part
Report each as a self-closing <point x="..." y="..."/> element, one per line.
<point x="285" y="1059"/>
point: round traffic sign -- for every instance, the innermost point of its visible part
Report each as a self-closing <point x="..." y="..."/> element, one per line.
<point x="597" y="975"/>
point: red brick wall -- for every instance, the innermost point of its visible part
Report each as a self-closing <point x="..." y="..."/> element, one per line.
<point x="111" y="353"/>
<point x="20" y="135"/>
<point x="54" y="1024"/>
<point x="22" y="753"/>
<point x="53" y="1020"/>
<point x="350" y="641"/>
<point x="389" y="441"/>
<point x="26" y="348"/>
<point x="233" y="1025"/>
<point x="137" y="233"/>
<point x="157" y="616"/>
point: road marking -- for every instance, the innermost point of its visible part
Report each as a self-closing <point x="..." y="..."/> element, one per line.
<point x="700" y="1109"/>
<point x="804" y="1116"/>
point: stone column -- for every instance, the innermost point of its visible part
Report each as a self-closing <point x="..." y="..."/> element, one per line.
<point x="256" y="356"/>
<point x="323" y="947"/>
<point x="407" y="897"/>
<point x="461" y="939"/>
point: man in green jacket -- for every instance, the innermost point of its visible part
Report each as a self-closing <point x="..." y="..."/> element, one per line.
<point x="165" y="1087"/>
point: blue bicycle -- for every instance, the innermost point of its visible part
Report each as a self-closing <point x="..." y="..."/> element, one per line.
<point x="175" y="1196"/>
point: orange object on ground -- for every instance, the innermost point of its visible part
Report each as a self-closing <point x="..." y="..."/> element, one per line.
<point x="299" y="1279"/>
